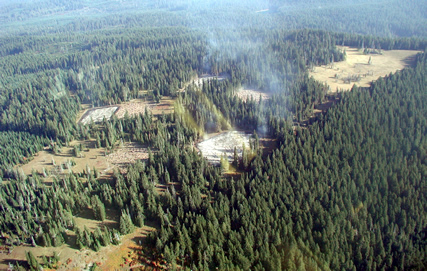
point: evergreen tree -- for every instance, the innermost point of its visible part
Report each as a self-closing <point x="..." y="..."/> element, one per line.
<point x="126" y="225"/>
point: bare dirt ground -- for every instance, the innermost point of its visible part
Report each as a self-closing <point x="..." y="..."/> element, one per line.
<point x="248" y="93"/>
<point x="356" y="64"/>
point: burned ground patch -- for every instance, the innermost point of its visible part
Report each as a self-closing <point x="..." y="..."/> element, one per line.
<point x="223" y="144"/>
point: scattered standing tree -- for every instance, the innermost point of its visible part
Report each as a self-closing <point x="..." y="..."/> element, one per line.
<point x="224" y="163"/>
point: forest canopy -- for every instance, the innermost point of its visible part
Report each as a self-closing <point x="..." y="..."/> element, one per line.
<point x="343" y="189"/>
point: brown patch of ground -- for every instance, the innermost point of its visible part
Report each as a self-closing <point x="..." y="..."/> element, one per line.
<point x="89" y="157"/>
<point x="133" y="107"/>
<point x="267" y="145"/>
<point x="318" y="109"/>
<point x="356" y="65"/>
<point x="128" y="154"/>
<point x="122" y="257"/>
<point x="86" y="218"/>
<point x="248" y="93"/>
<point x="165" y="106"/>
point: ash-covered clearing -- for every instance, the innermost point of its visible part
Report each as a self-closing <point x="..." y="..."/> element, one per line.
<point x="199" y="81"/>
<point x="97" y="115"/>
<point x="224" y="143"/>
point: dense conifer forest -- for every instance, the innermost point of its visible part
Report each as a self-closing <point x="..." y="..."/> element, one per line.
<point x="347" y="192"/>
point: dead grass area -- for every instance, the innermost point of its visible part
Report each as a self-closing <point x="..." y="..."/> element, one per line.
<point x="119" y="257"/>
<point x="165" y="106"/>
<point x="356" y="65"/>
<point x="318" y="109"/>
<point x="90" y="157"/>
<point x="108" y="258"/>
<point x="248" y="93"/>
<point x="85" y="218"/>
<point x="133" y="107"/>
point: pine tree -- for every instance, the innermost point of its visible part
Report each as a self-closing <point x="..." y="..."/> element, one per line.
<point x="32" y="261"/>
<point x="126" y="225"/>
<point x="235" y="158"/>
<point x="224" y="163"/>
<point x="98" y="208"/>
